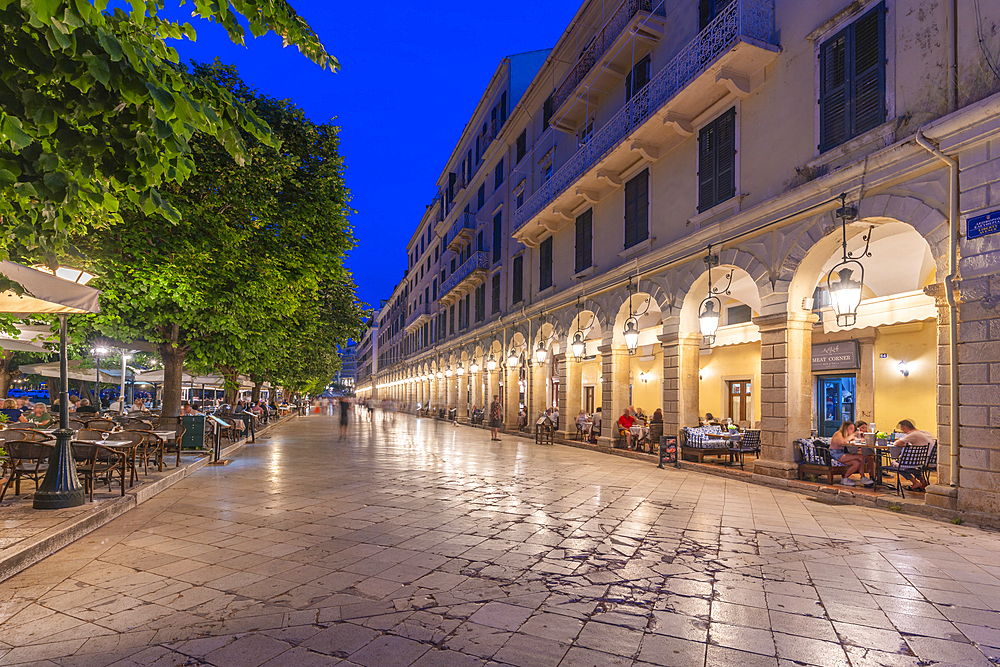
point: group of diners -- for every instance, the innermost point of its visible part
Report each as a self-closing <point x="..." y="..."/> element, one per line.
<point x="852" y="434"/>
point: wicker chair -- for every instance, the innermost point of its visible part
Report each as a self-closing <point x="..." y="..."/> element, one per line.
<point x="27" y="434"/>
<point x="98" y="461"/>
<point x="151" y="445"/>
<point x="27" y="459"/>
<point x="135" y="438"/>
<point x="176" y="425"/>
<point x="137" y="424"/>
<point x="90" y="433"/>
<point x="76" y="424"/>
<point x="101" y="424"/>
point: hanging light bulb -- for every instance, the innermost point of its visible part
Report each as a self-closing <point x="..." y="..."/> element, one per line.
<point x="541" y="353"/>
<point x="578" y="345"/>
<point x="845" y="294"/>
<point x="632" y="334"/>
<point x="708" y="318"/>
<point x="491" y="363"/>
<point x="459" y="370"/>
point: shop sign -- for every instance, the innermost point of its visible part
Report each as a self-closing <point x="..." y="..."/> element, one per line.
<point x="835" y="356"/>
<point x="983" y="225"/>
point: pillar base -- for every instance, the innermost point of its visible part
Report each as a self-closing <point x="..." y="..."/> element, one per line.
<point x="779" y="469"/>
<point x="940" y="495"/>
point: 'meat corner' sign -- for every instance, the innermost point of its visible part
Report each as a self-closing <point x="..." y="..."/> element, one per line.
<point x="835" y="356"/>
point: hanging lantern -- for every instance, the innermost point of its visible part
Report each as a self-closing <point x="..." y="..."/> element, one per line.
<point x="578" y="345"/>
<point x="440" y="375"/>
<point x="447" y="371"/>
<point x="491" y="363"/>
<point x="541" y="353"/>
<point x="632" y="334"/>
<point x="845" y="294"/>
<point x="512" y="358"/>
<point x="474" y="367"/>
<point x="459" y="370"/>
<point x="709" y="318"/>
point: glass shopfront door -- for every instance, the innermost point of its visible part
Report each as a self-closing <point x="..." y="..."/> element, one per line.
<point x="836" y="402"/>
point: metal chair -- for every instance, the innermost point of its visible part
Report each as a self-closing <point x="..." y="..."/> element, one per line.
<point x="101" y="424"/>
<point x="176" y="425"/>
<point x="27" y="459"/>
<point x="134" y="438"/>
<point x="150" y="445"/>
<point x="98" y="460"/>
<point x="913" y="459"/>
<point x="76" y="424"/>
<point x="749" y="443"/>
<point x="28" y="434"/>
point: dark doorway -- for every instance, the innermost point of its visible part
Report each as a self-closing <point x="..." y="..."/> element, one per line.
<point x="836" y="396"/>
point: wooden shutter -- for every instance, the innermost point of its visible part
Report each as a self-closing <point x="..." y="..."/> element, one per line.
<point x="503" y="107"/>
<point x="545" y="264"/>
<point x="546" y="112"/>
<point x="517" y="280"/>
<point x="706" y="167"/>
<point x="584" y="240"/>
<point x="833" y="97"/>
<point x="705" y="13"/>
<point x="868" y="71"/>
<point x="641" y="74"/>
<point x="497" y="235"/>
<point x="725" y="157"/>
<point x="496" y="293"/>
<point x="522" y="145"/>
<point x="636" y="209"/>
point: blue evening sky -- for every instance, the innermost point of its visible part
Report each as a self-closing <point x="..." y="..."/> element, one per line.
<point x="411" y="75"/>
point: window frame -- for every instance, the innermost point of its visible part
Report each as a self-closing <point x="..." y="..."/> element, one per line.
<point x="625" y="221"/>
<point x="545" y="251"/>
<point x="701" y="206"/>
<point x="584" y="222"/>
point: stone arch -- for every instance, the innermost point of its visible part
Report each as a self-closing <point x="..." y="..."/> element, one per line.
<point x="742" y="288"/>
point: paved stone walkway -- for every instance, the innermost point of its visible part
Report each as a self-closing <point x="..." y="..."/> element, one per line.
<point x="417" y="543"/>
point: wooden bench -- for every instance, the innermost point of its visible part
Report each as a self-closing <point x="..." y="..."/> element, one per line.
<point x="828" y="467"/>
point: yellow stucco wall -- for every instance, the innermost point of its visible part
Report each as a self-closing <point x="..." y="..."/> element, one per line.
<point x="731" y="362"/>
<point x="912" y="397"/>
<point x="590" y="372"/>
<point x="647" y="395"/>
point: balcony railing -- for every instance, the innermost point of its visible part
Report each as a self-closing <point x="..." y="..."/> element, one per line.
<point x="479" y="261"/>
<point x="753" y="19"/>
<point x="462" y="230"/>
<point x="600" y="45"/>
<point x="419" y="314"/>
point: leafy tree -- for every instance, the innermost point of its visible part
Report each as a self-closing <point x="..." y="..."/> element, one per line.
<point x="94" y="110"/>
<point x="254" y="247"/>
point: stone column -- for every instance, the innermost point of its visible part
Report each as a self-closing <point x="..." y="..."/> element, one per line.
<point x="615" y="370"/>
<point x="570" y="390"/>
<point x="463" y="399"/>
<point x="538" y="400"/>
<point x="865" y="405"/>
<point x="681" y="365"/>
<point x="510" y="408"/>
<point x="786" y="391"/>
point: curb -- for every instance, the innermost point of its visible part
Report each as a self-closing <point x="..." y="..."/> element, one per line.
<point x="26" y="553"/>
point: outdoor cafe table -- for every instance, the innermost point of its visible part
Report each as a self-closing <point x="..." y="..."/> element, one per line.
<point x="877" y="451"/>
<point x="724" y="439"/>
<point x="639" y="432"/>
<point x="128" y="448"/>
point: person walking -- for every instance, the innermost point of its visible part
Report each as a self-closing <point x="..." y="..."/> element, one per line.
<point x="496" y="414"/>
<point x="345" y="406"/>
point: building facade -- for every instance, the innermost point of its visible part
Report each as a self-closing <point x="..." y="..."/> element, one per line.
<point x="347" y="376"/>
<point x="677" y="169"/>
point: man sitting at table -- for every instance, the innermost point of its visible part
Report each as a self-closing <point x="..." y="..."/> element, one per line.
<point x="85" y="408"/>
<point x="913" y="436"/>
<point x="39" y="417"/>
<point x="625" y="425"/>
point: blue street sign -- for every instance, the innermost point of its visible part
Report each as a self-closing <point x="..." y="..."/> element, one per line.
<point x="982" y="225"/>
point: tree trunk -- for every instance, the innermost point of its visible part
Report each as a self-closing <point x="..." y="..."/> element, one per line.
<point x="5" y="374"/>
<point x="232" y="384"/>
<point x="255" y="394"/>
<point x="173" y="377"/>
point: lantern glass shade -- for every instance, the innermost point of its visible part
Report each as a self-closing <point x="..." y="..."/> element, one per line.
<point x="631" y="335"/>
<point x="708" y="318"/>
<point x="845" y="296"/>
<point x="512" y="359"/>
<point x="541" y="353"/>
<point x="440" y="375"/>
<point x="578" y="346"/>
<point x="447" y="372"/>
<point x="459" y="369"/>
<point x="474" y="367"/>
<point x="491" y="363"/>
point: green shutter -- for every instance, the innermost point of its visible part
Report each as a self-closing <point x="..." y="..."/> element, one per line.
<point x="868" y="72"/>
<point x="725" y="158"/>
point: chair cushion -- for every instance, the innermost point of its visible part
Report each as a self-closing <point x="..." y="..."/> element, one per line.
<point x="809" y="454"/>
<point x="695" y="437"/>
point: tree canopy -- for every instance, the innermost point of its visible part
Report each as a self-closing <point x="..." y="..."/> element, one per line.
<point x="95" y="110"/>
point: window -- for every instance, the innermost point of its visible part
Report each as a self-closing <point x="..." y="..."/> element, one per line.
<point x="637" y="79"/>
<point x="478" y="154"/>
<point x="547" y="172"/>
<point x="708" y="10"/>
<point x="451" y="319"/>
<point x="519" y="196"/>
<point x="481" y="303"/>
<point x="453" y="265"/>
<point x="584" y="240"/>
<point x="546" y="112"/>
<point x="637" y="209"/>
<point x="852" y="80"/>
<point x="503" y="107"/>
<point x="717" y="161"/>
<point x="468" y="166"/>
<point x="481" y="196"/>
<point x="545" y="264"/>
<point x="522" y="145"/>
<point x="467" y="309"/>
<point x="479" y="241"/>
<point x="517" y="280"/>
<point x="498" y="175"/>
<point x="738" y="314"/>
<point x="437" y="249"/>
<point x="587" y="132"/>
<point x="497" y="235"/>
<point x="495" y="295"/>
<point x="434" y="289"/>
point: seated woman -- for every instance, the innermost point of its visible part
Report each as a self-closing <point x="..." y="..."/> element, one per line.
<point x="657" y="417"/>
<point x="844" y="436"/>
<point x="11" y="410"/>
<point x="709" y="419"/>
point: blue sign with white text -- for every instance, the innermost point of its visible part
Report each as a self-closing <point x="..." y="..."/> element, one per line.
<point x="983" y="225"/>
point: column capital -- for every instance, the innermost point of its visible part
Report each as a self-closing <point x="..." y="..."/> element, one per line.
<point x="680" y="337"/>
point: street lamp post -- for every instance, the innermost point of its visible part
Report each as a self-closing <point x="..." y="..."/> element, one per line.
<point x="98" y="353"/>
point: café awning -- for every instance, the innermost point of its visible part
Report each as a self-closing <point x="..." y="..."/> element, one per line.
<point x="45" y="293"/>
<point x="76" y="371"/>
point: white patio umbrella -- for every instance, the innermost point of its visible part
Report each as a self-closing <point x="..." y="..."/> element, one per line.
<point x="62" y="293"/>
<point x="74" y="371"/>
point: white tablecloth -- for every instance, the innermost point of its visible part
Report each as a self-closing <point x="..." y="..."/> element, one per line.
<point x="639" y="431"/>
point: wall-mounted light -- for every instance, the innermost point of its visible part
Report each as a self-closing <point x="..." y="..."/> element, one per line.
<point x="710" y="313"/>
<point x="440" y="375"/>
<point x="904" y="369"/>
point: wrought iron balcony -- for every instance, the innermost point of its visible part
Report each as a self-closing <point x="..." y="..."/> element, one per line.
<point x="416" y="319"/>
<point x="461" y="231"/>
<point x="470" y="274"/>
<point x="746" y="21"/>
<point x="600" y="45"/>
